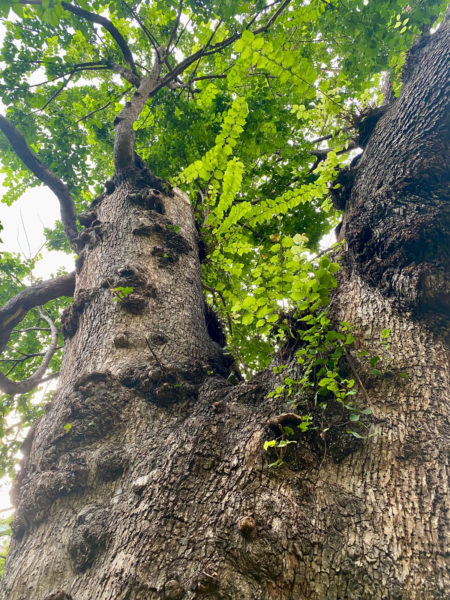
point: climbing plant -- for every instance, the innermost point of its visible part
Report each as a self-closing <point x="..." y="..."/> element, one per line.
<point x="261" y="109"/>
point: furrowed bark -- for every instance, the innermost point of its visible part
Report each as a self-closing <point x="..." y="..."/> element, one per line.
<point x="60" y="189"/>
<point x="397" y="213"/>
<point x="147" y="480"/>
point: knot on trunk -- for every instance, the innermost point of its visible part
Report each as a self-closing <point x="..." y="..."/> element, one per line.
<point x="59" y="595"/>
<point x="163" y="385"/>
<point x="111" y="463"/>
<point x="173" y="244"/>
<point x="70" y="317"/>
<point x="38" y="491"/>
<point x="173" y="590"/>
<point x="131" y="290"/>
<point x="149" y="199"/>
<point x="88" y="537"/>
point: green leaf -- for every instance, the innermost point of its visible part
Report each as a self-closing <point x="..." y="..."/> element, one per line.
<point x="355" y="434"/>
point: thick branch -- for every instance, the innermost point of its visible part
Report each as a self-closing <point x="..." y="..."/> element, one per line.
<point x="150" y="85"/>
<point x="36" y="295"/>
<point x="60" y="189"/>
<point x="123" y="123"/>
<point x="21" y="387"/>
<point x="115" y="33"/>
<point x="125" y="73"/>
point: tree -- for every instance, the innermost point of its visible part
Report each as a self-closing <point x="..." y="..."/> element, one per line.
<point x="148" y="474"/>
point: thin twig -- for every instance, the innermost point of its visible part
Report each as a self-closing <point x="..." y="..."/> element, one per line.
<point x="175" y="27"/>
<point x="93" y="112"/>
<point x="154" y="356"/>
<point x="214" y="292"/>
<point x="56" y="94"/>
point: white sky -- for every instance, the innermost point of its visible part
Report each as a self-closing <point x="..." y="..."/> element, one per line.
<point x="23" y="232"/>
<point x="23" y="229"/>
<point x="38" y="208"/>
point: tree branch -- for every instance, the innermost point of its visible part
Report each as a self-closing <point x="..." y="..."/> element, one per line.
<point x="58" y="91"/>
<point x="213" y="49"/>
<point x="60" y="189"/>
<point x="21" y="387"/>
<point x="115" y="33"/>
<point x="125" y="135"/>
<point x="150" y="36"/>
<point x="273" y="18"/>
<point x="175" y="27"/>
<point x="125" y="73"/>
<point x="36" y="295"/>
<point x="96" y="110"/>
<point x="150" y="85"/>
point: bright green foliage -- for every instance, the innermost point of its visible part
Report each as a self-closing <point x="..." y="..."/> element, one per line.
<point x="237" y="134"/>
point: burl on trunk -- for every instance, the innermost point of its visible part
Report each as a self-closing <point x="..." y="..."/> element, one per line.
<point x="146" y="479"/>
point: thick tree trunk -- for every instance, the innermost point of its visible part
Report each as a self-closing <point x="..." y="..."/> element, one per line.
<point x="146" y="479"/>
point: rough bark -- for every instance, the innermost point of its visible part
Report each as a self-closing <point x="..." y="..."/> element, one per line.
<point x="397" y="220"/>
<point x="147" y="479"/>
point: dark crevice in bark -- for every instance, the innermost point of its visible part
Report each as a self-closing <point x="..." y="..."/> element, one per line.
<point x="397" y="216"/>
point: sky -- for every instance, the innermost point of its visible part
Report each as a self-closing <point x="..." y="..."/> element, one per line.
<point x="23" y="232"/>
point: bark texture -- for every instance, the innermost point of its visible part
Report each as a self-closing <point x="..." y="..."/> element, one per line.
<point x="141" y="500"/>
<point x="397" y="221"/>
<point x="147" y="478"/>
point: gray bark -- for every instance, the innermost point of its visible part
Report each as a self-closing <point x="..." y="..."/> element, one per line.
<point x="147" y="479"/>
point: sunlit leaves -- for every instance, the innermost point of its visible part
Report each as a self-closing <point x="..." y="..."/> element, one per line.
<point x="239" y="132"/>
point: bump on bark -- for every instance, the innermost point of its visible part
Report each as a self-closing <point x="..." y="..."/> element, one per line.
<point x="173" y="244"/>
<point x="87" y="217"/>
<point x="136" y="278"/>
<point x="59" y="595"/>
<point x="111" y="463"/>
<point x="90" y="237"/>
<point x="110" y="187"/>
<point x="71" y="315"/>
<point x="166" y="385"/>
<point x="149" y="199"/>
<point x="38" y="491"/>
<point x="247" y="527"/>
<point x="121" y="340"/>
<point x="173" y="590"/>
<point x="88" y="537"/>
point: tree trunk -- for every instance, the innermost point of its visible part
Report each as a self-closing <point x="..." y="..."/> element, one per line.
<point x="147" y="478"/>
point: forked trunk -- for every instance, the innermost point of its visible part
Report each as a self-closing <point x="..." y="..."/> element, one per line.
<point x="146" y="479"/>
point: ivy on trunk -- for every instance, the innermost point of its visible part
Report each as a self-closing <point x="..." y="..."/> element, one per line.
<point x="233" y="418"/>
